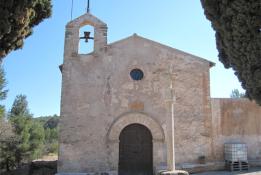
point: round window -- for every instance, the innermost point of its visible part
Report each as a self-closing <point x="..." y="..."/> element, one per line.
<point x="136" y="74"/>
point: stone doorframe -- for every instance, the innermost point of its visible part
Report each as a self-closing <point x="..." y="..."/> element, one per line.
<point x="159" y="145"/>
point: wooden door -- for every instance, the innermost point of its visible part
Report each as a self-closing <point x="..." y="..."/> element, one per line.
<point x="135" y="152"/>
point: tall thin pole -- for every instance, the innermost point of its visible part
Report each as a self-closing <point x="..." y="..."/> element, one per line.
<point x="88" y="6"/>
<point x="172" y="128"/>
<point x="72" y="10"/>
<point x="171" y="122"/>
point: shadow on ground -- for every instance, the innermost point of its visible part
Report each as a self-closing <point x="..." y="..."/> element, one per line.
<point x="49" y="168"/>
<point x="35" y="168"/>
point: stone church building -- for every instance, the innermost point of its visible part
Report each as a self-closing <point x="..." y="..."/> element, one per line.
<point x="135" y="107"/>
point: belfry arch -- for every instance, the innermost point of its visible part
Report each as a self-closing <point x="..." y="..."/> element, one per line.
<point x="73" y="29"/>
<point x="86" y="42"/>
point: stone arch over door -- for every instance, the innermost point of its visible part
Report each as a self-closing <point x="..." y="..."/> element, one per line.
<point x="136" y="118"/>
<point x="132" y="118"/>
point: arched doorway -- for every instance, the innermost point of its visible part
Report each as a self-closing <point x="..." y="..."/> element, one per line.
<point x="135" y="150"/>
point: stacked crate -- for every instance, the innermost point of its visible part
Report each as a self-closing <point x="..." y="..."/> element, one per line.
<point x="236" y="156"/>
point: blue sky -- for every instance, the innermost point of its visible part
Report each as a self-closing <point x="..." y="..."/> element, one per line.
<point x="33" y="71"/>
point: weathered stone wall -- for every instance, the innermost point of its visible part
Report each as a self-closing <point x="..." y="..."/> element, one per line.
<point x="236" y="120"/>
<point x="98" y="89"/>
<point x="99" y="98"/>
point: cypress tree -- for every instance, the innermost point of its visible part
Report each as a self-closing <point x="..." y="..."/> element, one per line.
<point x="17" y="19"/>
<point x="238" y="38"/>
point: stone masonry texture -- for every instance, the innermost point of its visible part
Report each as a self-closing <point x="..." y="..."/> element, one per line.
<point x="99" y="98"/>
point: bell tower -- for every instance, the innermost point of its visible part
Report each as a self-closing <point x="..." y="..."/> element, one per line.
<point x="72" y="37"/>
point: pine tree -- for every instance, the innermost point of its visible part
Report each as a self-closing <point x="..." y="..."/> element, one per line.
<point x="30" y="134"/>
<point x="8" y="150"/>
<point x="236" y="94"/>
<point x="36" y="140"/>
<point x="20" y="107"/>
<point x="8" y="140"/>
<point x="3" y="92"/>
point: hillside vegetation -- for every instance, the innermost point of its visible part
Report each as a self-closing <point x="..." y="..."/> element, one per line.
<point x="24" y="138"/>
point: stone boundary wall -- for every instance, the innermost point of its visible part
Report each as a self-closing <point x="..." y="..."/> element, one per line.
<point x="236" y="121"/>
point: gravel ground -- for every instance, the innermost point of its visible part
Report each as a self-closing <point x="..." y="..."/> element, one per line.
<point x="251" y="172"/>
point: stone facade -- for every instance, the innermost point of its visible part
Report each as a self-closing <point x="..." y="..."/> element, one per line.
<point x="99" y="99"/>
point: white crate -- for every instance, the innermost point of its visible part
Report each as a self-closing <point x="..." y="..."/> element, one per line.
<point x="235" y="152"/>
